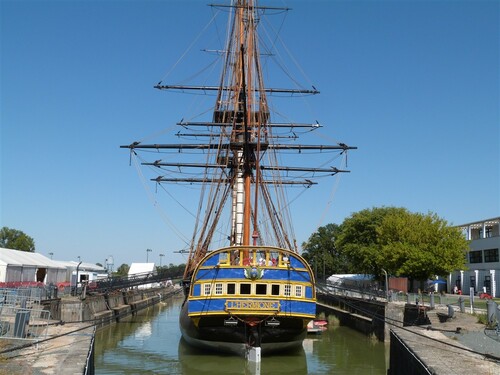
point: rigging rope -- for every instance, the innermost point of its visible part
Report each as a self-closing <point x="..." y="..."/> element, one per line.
<point x="155" y="202"/>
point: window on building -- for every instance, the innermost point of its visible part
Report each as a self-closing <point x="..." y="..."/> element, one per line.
<point x="488" y="232"/>
<point x="476" y="256"/>
<point x="491" y="255"/>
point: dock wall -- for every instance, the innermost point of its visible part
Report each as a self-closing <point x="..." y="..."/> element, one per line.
<point x="107" y="308"/>
<point x="366" y="316"/>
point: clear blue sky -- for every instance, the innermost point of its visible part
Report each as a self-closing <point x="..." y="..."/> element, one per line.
<point x="413" y="84"/>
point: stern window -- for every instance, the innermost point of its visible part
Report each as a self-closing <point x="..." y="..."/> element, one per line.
<point x="275" y="290"/>
<point x="245" y="288"/>
<point x="207" y="289"/>
<point x="218" y="288"/>
<point x="288" y="290"/>
<point x="298" y="290"/>
<point x="261" y="289"/>
<point x="231" y="288"/>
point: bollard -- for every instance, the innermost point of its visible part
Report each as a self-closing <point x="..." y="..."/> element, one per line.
<point x="431" y="303"/>
<point x="461" y="303"/>
<point x="408" y="298"/>
<point x="491" y="307"/>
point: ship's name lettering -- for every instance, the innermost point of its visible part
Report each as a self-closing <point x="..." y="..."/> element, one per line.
<point x="252" y="305"/>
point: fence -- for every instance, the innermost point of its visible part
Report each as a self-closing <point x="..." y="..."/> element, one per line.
<point x="367" y="291"/>
<point x="21" y="315"/>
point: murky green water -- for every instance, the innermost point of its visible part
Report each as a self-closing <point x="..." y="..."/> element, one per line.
<point x="151" y="343"/>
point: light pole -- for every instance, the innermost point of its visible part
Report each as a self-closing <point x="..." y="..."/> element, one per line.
<point x="51" y="255"/>
<point x="386" y="285"/>
<point x="147" y="254"/>
<point x="161" y="256"/>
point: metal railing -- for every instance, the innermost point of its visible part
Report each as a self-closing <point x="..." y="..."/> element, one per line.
<point x="369" y="291"/>
<point x="23" y="323"/>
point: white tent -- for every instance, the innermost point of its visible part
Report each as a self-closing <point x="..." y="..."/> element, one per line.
<point x="142" y="269"/>
<point x="23" y="266"/>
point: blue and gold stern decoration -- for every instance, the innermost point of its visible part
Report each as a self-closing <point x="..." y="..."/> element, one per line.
<point x="253" y="273"/>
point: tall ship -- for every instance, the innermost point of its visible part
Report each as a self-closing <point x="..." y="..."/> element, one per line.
<point x="245" y="284"/>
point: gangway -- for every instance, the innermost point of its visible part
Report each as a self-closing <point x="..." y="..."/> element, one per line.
<point x="125" y="282"/>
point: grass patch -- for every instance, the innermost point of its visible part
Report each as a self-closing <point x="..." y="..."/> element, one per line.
<point x="481" y="318"/>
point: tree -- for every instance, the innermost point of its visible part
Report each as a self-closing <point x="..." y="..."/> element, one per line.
<point x="171" y="271"/>
<point x="403" y="243"/>
<point x="320" y="251"/>
<point x="421" y="246"/>
<point x="122" y="270"/>
<point x="16" y="240"/>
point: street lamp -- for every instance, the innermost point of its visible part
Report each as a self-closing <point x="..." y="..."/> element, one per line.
<point x="147" y="254"/>
<point x="386" y="285"/>
<point x="161" y="256"/>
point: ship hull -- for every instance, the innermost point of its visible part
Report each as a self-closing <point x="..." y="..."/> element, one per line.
<point x="242" y="297"/>
<point x="212" y="335"/>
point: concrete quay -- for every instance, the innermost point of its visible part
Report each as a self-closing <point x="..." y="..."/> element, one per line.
<point x="67" y="345"/>
<point x="455" y="347"/>
<point x="66" y="350"/>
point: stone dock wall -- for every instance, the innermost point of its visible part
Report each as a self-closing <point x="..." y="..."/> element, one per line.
<point x="418" y="343"/>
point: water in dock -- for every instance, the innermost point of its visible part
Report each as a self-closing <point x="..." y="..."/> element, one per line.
<point x="150" y="343"/>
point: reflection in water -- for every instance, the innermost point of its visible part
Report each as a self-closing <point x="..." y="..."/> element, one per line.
<point x="150" y="343"/>
<point x="195" y="361"/>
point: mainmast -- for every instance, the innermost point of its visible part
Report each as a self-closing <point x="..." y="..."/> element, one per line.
<point x="245" y="106"/>
<point x="238" y="137"/>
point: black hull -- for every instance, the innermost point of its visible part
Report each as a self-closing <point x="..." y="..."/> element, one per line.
<point x="212" y="334"/>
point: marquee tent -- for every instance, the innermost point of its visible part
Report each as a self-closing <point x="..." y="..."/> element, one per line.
<point x="26" y="267"/>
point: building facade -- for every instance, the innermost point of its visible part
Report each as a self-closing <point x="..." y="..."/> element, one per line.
<point x="483" y="260"/>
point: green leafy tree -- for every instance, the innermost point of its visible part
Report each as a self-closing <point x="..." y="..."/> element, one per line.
<point x="421" y="246"/>
<point x="171" y="271"/>
<point x="122" y="270"/>
<point x="407" y="244"/>
<point x="323" y="255"/>
<point x="16" y="240"/>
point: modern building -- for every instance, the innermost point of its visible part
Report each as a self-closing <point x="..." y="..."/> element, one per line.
<point x="80" y="272"/>
<point x="483" y="261"/>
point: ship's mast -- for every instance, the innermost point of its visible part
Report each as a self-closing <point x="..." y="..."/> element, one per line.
<point x="239" y="136"/>
<point x="247" y="121"/>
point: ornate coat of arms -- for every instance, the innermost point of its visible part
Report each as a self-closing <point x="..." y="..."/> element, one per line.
<point x="253" y="273"/>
